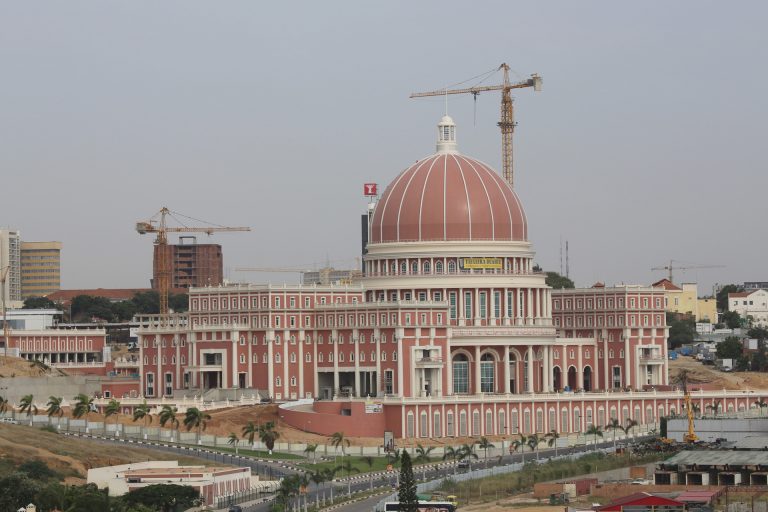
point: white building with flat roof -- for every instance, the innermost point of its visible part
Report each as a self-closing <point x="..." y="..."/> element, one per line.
<point x="752" y="304"/>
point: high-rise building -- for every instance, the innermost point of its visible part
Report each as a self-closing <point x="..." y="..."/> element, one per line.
<point x="10" y="256"/>
<point x="40" y="268"/>
<point x="191" y="264"/>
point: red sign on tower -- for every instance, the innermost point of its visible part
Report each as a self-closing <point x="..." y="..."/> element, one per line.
<point x="370" y="189"/>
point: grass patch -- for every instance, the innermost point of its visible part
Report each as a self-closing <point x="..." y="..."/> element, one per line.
<point x="493" y="487"/>
<point x="255" y="453"/>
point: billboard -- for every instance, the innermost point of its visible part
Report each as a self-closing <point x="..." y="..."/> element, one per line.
<point x="480" y="263"/>
<point x="370" y="189"/>
<point x="373" y="408"/>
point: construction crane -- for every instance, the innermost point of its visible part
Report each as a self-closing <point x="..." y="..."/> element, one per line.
<point x="507" y="122"/>
<point x="157" y="224"/>
<point x="6" y="329"/>
<point x="672" y="267"/>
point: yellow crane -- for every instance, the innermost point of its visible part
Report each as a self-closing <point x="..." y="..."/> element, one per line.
<point x="507" y="122"/>
<point x="672" y="266"/>
<point x="158" y="224"/>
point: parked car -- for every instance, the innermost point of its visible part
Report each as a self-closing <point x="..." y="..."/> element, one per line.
<point x="463" y="464"/>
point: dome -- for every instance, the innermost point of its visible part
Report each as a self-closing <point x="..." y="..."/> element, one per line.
<point x="448" y="197"/>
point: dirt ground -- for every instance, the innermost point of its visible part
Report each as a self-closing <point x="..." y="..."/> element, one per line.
<point x="506" y="505"/>
<point x="17" y="367"/>
<point x="705" y="374"/>
<point x="69" y="456"/>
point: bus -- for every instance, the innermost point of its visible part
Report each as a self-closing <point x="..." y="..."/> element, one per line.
<point x="424" y="506"/>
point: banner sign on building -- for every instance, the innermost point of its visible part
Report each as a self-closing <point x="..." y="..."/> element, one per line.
<point x="479" y="263"/>
<point x="389" y="441"/>
<point x="370" y="189"/>
<point x="373" y="408"/>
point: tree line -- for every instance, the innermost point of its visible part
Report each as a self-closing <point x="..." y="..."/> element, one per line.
<point x="84" y="308"/>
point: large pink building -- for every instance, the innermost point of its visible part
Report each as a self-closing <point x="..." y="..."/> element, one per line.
<point x="449" y="332"/>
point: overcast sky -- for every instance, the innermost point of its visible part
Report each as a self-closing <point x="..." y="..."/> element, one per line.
<point x="648" y="142"/>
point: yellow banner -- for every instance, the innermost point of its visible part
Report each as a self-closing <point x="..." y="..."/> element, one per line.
<point x="477" y="263"/>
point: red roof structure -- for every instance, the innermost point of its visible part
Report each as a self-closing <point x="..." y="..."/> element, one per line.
<point x="449" y="197"/>
<point x="640" y="499"/>
<point x="666" y="284"/>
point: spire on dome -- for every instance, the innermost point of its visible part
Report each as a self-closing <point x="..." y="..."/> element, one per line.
<point x="446" y="135"/>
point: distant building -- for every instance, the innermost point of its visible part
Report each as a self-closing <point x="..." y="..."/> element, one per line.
<point x="679" y="300"/>
<point x="40" y="268"/>
<point x="326" y="276"/>
<point x="707" y="310"/>
<point x="752" y="304"/>
<point x="211" y="482"/>
<point x="10" y="256"/>
<point x="755" y="285"/>
<point x="191" y="264"/>
<point x="643" y="502"/>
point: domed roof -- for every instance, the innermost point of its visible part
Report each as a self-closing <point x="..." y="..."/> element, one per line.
<point x="448" y="197"/>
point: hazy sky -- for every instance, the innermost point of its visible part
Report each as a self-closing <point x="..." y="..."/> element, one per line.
<point x="647" y="143"/>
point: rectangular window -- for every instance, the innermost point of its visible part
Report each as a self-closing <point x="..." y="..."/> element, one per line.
<point x="150" y="384"/>
<point x="293" y="302"/>
<point x="277" y="302"/>
<point x="467" y="305"/>
<point x="438" y="296"/>
<point x="510" y="305"/>
<point x="168" y="384"/>
<point x="483" y="305"/>
<point x="461" y="377"/>
<point x="452" y="304"/>
<point x="389" y="380"/>
<point x="497" y="304"/>
<point x="422" y="296"/>
<point x="616" y="377"/>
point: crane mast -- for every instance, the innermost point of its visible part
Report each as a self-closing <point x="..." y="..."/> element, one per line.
<point x="162" y="251"/>
<point x="507" y="119"/>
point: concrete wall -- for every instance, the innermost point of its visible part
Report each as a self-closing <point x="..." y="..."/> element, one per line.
<point x="709" y="429"/>
<point x="13" y="388"/>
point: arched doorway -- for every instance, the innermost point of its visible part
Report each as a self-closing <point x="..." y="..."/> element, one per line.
<point x="460" y="374"/>
<point x="572" y="378"/>
<point x="588" y="379"/>
<point x="487" y="373"/>
<point x="512" y="372"/>
<point x="556" y="378"/>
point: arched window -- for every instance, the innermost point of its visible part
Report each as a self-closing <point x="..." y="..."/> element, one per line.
<point x="409" y="425"/>
<point x="414" y="267"/>
<point x="427" y="267"/>
<point x="436" y="430"/>
<point x="451" y="267"/>
<point x="438" y="267"/>
<point x="449" y="428"/>
<point x="502" y="422"/>
<point x="489" y="422"/>
<point x="463" y="424"/>
<point x="403" y="268"/>
<point x="424" y="425"/>
<point x="460" y="374"/>
<point x="487" y="373"/>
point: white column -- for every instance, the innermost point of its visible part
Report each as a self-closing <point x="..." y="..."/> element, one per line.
<point x="506" y="370"/>
<point x="335" y="336"/>
<point x="300" y="341"/>
<point x="270" y="362"/>
<point x="529" y="309"/>
<point x="547" y="369"/>
<point x="477" y="369"/>
<point x="580" y="369"/>
<point x="531" y="386"/>
<point x="627" y="359"/>
<point x="538" y="306"/>
<point x="355" y="346"/>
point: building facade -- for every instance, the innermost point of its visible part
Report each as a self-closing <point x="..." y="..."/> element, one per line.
<point x="40" y="268"/>
<point x="750" y="304"/>
<point x="192" y="264"/>
<point x="681" y="300"/>
<point x="10" y="263"/>
<point x="448" y="333"/>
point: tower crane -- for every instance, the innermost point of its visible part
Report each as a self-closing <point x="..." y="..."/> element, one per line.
<point x="672" y="266"/>
<point x="507" y="122"/>
<point x="157" y="224"/>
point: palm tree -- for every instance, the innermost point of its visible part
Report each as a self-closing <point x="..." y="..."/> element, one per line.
<point x="168" y="415"/>
<point x="195" y="418"/>
<point x="630" y="426"/>
<point x="451" y="453"/>
<point x="613" y="425"/>
<point x="83" y="406"/>
<point x="3" y="405"/>
<point x="484" y="444"/>
<point x="268" y="435"/>
<point x="27" y="405"/>
<point x="234" y="441"/>
<point x="142" y="412"/>
<point x="249" y="432"/>
<point x="759" y="402"/>
<point x="337" y="439"/>
<point x="54" y="407"/>
<point x="467" y="452"/>
<point x="312" y="448"/>
<point x="716" y="406"/>
<point x="112" y="409"/>
<point x="518" y="443"/>
<point x="533" y="443"/>
<point x="422" y="454"/>
<point x="596" y="431"/>
<point x="552" y="438"/>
